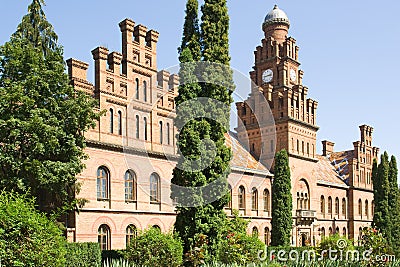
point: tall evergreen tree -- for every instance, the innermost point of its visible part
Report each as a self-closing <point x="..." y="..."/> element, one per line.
<point x="209" y="182"/>
<point x="394" y="208"/>
<point x="381" y="196"/>
<point x="42" y="118"/>
<point x="191" y="31"/>
<point x="281" y="201"/>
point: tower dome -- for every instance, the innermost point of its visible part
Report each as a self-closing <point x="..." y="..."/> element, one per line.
<point x="276" y="15"/>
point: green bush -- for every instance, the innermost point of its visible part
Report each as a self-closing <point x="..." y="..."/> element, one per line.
<point x="83" y="255"/>
<point x="155" y="249"/>
<point x="336" y="242"/>
<point x="112" y="254"/>
<point x="27" y="237"/>
<point x="236" y="246"/>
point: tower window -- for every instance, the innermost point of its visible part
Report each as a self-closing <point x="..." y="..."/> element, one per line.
<point x="161" y="132"/>
<point x="137" y="127"/>
<point x="145" y="91"/>
<point x="111" y="120"/>
<point x="145" y="128"/>
<point x="119" y="122"/>
<point x="137" y="88"/>
<point x="168" y="134"/>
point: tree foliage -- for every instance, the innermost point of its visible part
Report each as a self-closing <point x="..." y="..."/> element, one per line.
<point x="387" y="200"/>
<point x="28" y="238"/>
<point x="153" y="248"/>
<point x="281" y="201"/>
<point x="42" y="118"/>
<point x="201" y="139"/>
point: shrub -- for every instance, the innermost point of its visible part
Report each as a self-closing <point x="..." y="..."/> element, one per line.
<point x="153" y="248"/>
<point x="336" y="242"/>
<point x="236" y="246"/>
<point x="112" y="254"/>
<point x="28" y="238"/>
<point x="83" y="255"/>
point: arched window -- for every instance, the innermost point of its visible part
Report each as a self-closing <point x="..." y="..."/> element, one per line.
<point x="161" y="132"/>
<point x="301" y="201"/>
<point x="137" y="127"/>
<point x="344" y="208"/>
<point x="254" y="199"/>
<point x="168" y="135"/>
<point x="329" y="205"/>
<point x="302" y="147"/>
<point x="266" y="236"/>
<point x="103" y="179"/>
<point x="104" y="237"/>
<point x="229" y="204"/>
<point x="298" y="145"/>
<point x="145" y="128"/>
<point x="130" y="233"/>
<point x="145" y="91"/>
<point x="330" y="231"/>
<point x="322" y="205"/>
<point x="344" y="232"/>
<point x="372" y="208"/>
<point x="266" y="201"/>
<point x="119" y="122"/>
<point x="359" y="207"/>
<point x="366" y="209"/>
<point x="337" y="206"/>
<point x="323" y="232"/>
<point x="137" y="88"/>
<point x="155" y="188"/>
<point x="130" y="186"/>
<point x="308" y="149"/>
<point x="111" y="120"/>
<point x="337" y="230"/>
<point x="255" y="231"/>
<point x="242" y="197"/>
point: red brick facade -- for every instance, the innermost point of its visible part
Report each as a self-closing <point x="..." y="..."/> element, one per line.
<point x="132" y="151"/>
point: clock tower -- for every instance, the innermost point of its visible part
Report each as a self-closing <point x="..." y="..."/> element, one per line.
<point x="278" y="92"/>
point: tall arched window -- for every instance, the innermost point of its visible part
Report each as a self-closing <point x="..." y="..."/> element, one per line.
<point x="372" y="208"/>
<point x="266" y="236"/>
<point x="168" y="134"/>
<point x="323" y="232"/>
<point x="359" y="207"/>
<point x="298" y="146"/>
<point x="161" y="132"/>
<point x="254" y="199"/>
<point x="255" y="231"/>
<point x="322" y="205"/>
<point x="130" y="233"/>
<point x="330" y="231"/>
<point x="344" y="208"/>
<point x="145" y="128"/>
<point x="366" y="209"/>
<point x="329" y="205"/>
<point x="242" y="197"/>
<point x="137" y="127"/>
<point x="155" y="188"/>
<point x="111" y="120"/>
<point x="137" y="88"/>
<point x="104" y="237"/>
<point x="103" y="179"/>
<point x="266" y="200"/>
<point x="145" y="91"/>
<point x="119" y="122"/>
<point x="337" y="206"/>
<point x="130" y="186"/>
<point x="344" y="232"/>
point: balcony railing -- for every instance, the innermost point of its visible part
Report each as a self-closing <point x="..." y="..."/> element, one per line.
<point x="305" y="217"/>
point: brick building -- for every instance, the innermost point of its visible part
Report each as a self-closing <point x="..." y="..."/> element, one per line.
<point x="132" y="151"/>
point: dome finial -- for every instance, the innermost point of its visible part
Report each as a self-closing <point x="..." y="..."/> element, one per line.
<point x="276" y="6"/>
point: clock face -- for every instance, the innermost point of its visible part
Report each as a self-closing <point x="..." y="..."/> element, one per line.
<point x="267" y="76"/>
<point x="293" y="75"/>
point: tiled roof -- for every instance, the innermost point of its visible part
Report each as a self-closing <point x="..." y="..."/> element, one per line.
<point x="324" y="171"/>
<point x="241" y="157"/>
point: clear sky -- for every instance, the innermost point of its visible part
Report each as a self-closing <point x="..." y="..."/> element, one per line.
<point x="349" y="50"/>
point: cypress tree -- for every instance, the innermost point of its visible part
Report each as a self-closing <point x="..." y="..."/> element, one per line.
<point x="202" y="139"/>
<point x="381" y="196"/>
<point x="394" y="208"/>
<point x="281" y="201"/>
<point x="42" y="117"/>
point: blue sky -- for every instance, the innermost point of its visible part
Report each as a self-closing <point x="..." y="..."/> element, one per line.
<point x="349" y="50"/>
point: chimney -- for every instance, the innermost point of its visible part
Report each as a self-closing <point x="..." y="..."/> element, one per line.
<point x="327" y="148"/>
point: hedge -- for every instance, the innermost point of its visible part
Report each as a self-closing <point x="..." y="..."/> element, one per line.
<point x="83" y="255"/>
